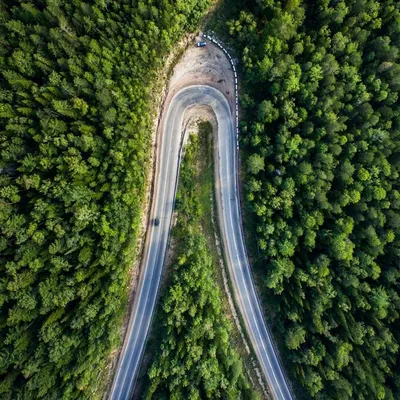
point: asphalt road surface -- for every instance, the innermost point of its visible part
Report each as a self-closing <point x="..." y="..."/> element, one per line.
<point x="230" y="220"/>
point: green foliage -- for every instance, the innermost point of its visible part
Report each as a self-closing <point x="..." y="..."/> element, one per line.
<point x="76" y="80"/>
<point x="196" y="359"/>
<point x="255" y="164"/>
<point x="322" y="130"/>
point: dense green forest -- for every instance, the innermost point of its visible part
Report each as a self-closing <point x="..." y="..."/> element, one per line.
<point x="196" y="358"/>
<point x="321" y="130"/>
<point x="75" y="124"/>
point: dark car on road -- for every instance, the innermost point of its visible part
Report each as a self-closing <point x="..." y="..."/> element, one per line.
<point x="156" y="221"/>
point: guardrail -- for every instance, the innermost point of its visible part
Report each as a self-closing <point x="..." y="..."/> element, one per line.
<point x="215" y="41"/>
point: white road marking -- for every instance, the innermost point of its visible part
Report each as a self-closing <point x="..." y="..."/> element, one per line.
<point x="215" y="99"/>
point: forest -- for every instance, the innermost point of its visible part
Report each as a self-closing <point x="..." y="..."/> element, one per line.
<point x="77" y="80"/>
<point x="320" y="83"/>
<point x="195" y="358"/>
<point x="320" y="133"/>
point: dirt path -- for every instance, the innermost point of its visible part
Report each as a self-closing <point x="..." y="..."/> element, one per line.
<point x="203" y="66"/>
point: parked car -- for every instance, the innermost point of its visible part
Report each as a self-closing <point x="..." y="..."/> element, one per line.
<point x="201" y="44"/>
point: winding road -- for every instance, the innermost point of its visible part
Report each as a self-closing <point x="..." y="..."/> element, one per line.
<point x="227" y="192"/>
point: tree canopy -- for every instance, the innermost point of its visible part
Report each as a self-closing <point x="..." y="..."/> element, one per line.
<point x="321" y="127"/>
<point x="75" y="89"/>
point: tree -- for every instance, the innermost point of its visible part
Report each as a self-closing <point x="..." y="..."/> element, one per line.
<point x="295" y="337"/>
<point x="255" y="164"/>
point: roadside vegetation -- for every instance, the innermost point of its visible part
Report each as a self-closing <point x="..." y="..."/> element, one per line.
<point x="195" y="358"/>
<point x="321" y="132"/>
<point x="75" y="122"/>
